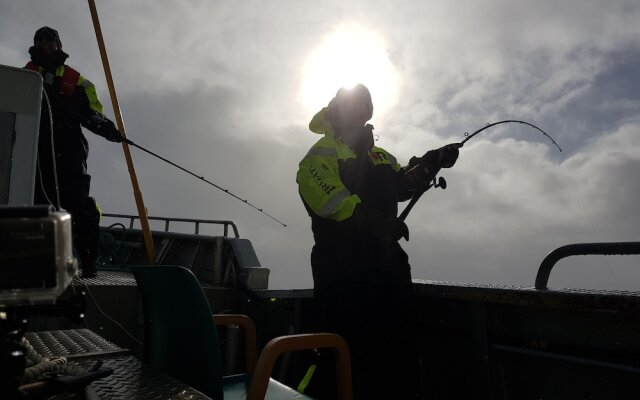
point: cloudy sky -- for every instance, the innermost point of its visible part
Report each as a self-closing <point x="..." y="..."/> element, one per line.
<point x="227" y="88"/>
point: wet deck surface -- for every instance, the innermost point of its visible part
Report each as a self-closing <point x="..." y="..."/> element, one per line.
<point x="130" y="378"/>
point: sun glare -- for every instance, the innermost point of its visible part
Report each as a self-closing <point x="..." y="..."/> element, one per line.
<point x="349" y="55"/>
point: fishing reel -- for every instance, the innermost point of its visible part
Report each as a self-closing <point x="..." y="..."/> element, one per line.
<point x="420" y="179"/>
<point x="439" y="183"/>
<point x="436" y="182"/>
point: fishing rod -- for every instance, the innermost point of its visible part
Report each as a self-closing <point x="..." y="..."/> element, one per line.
<point x="131" y="143"/>
<point x="442" y="183"/>
<point x="469" y="136"/>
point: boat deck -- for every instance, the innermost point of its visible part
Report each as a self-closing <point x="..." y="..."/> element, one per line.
<point x="130" y="378"/>
<point x="470" y="338"/>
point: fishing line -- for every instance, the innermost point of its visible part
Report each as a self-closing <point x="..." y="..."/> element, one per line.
<point x="129" y="142"/>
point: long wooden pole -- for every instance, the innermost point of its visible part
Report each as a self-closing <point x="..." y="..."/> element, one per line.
<point x="142" y="211"/>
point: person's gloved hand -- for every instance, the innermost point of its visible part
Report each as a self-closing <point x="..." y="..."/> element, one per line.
<point x="391" y="230"/>
<point x="444" y="157"/>
<point x="449" y="154"/>
<point x="103" y="126"/>
<point x="373" y="222"/>
<point x="399" y="230"/>
<point x="416" y="177"/>
<point x="111" y="133"/>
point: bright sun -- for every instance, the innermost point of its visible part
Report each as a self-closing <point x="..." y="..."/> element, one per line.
<point x="349" y="55"/>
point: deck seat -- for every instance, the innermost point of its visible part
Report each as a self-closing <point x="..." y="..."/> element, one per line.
<point x="181" y="340"/>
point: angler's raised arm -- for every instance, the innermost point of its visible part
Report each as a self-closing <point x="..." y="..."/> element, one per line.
<point x="421" y="171"/>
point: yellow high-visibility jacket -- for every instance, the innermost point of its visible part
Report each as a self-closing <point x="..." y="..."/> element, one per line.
<point x="319" y="175"/>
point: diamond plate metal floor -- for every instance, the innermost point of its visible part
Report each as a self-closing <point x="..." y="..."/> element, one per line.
<point x="130" y="379"/>
<point x="72" y="343"/>
<point x="108" y="278"/>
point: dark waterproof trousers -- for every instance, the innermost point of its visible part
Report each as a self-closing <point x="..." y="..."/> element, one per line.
<point x="85" y="218"/>
<point x="363" y="293"/>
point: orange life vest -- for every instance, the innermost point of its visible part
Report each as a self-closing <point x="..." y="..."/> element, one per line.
<point x="69" y="80"/>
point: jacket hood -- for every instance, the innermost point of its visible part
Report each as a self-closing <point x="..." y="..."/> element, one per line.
<point x="359" y="141"/>
<point x="359" y="94"/>
<point x="320" y="125"/>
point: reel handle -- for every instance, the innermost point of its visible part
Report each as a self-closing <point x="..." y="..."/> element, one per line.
<point x="441" y="183"/>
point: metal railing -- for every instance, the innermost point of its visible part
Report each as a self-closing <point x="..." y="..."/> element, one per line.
<point x="582" y="249"/>
<point x="167" y="221"/>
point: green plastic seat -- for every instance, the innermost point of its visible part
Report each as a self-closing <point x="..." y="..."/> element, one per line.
<point x="181" y="340"/>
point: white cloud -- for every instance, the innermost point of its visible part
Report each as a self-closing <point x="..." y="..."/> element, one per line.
<point x="507" y="205"/>
<point x="215" y="87"/>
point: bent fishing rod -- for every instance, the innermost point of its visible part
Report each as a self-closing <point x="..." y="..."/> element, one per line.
<point x="202" y="178"/>
<point x="442" y="183"/>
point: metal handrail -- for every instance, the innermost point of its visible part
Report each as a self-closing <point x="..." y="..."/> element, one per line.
<point x="579" y="249"/>
<point x="167" y="221"/>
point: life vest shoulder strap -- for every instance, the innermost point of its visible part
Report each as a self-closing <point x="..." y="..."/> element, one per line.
<point x="69" y="81"/>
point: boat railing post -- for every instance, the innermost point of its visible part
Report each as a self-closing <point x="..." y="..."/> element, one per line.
<point x="577" y="249"/>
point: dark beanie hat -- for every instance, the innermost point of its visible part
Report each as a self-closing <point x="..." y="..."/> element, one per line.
<point x="48" y="34"/>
